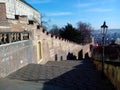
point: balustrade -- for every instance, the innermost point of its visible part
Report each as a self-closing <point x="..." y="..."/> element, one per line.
<point x="9" y="37"/>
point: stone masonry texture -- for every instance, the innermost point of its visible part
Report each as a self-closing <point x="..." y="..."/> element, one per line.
<point x="62" y="75"/>
<point x="3" y="20"/>
<point x="41" y="47"/>
<point x="13" y="56"/>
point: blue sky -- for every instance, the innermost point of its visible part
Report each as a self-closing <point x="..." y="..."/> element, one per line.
<point x="95" y="12"/>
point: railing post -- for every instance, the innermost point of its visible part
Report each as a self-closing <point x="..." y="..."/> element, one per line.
<point x="12" y="37"/>
<point x="21" y="36"/>
<point x="0" y="38"/>
<point x="4" y="38"/>
<point x="17" y="36"/>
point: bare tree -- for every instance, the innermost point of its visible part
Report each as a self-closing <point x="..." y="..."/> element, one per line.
<point x="85" y="30"/>
<point x="44" y="23"/>
<point x="55" y="30"/>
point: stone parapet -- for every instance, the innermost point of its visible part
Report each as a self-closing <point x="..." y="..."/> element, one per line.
<point x="112" y="71"/>
<point x="10" y="37"/>
<point x="14" y="56"/>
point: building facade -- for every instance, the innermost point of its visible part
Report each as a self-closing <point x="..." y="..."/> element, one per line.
<point x="117" y="41"/>
<point x="23" y="41"/>
<point x="22" y="8"/>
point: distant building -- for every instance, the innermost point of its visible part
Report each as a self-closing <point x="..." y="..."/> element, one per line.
<point x="21" y="8"/>
<point x="117" y="41"/>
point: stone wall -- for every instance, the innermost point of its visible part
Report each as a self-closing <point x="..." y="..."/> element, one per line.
<point x="111" y="70"/>
<point x="47" y="47"/>
<point x="4" y="25"/>
<point x="15" y="55"/>
<point x="40" y="48"/>
<point x="53" y="48"/>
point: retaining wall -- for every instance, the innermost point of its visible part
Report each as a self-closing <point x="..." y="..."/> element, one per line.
<point x="111" y="70"/>
<point x="14" y="56"/>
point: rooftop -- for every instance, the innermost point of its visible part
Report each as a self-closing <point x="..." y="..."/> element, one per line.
<point x="29" y="5"/>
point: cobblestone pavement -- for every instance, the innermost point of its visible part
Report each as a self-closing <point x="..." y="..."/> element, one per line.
<point x="62" y="75"/>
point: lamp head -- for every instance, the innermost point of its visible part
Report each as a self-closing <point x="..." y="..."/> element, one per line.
<point x="104" y="29"/>
<point x="104" y="25"/>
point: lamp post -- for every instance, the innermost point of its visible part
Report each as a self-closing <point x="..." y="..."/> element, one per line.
<point x="104" y="28"/>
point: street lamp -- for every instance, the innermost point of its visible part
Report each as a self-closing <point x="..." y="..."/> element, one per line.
<point x="104" y="28"/>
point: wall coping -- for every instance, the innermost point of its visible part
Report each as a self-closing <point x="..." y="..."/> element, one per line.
<point x="114" y="63"/>
<point x="7" y="44"/>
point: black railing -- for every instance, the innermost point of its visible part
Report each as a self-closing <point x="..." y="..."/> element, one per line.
<point x="9" y="37"/>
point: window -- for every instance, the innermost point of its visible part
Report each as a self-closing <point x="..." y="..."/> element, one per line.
<point x="31" y="22"/>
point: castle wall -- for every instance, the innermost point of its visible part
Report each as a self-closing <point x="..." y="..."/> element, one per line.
<point x="4" y="25"/>
<point x="40" y="47"/>
<point x="14" y="56"/>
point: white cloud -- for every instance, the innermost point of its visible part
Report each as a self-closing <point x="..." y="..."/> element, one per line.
<point x="94" y="3"/>
<point x="99" y="10"/>
<point x="84" y="5"/>
<point x="59" y="14"/>
<point x="38" y="1"/>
